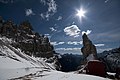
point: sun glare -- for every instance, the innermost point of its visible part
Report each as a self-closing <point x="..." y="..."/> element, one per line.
<point x="81" y="13"/>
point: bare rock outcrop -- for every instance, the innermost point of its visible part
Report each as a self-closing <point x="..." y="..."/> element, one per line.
<point x="25" y="38"/>
<point x="88" y="49"/>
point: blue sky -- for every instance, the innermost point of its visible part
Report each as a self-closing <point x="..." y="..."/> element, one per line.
<point x="57" y="19"/>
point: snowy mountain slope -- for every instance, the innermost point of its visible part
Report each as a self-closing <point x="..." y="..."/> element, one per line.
<point x="15" y="65"/>
<point x="55" y="75"/>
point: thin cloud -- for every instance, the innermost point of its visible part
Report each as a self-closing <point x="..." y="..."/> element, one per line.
<point x="48" y="35"/>
<point x="52" y="6"/>
<point x="53" y="29"/>
<point x="59" y="18"/>
<point x="29" y="12"/>
<point x="72" y="30"/>
<point x="74" y="42"/>
<point x="57" y="43"/>
<point x="61" y="42"/>
<point x="67" y="49"/>
<point x="87" y="32"/>
<point x="54" y="43"/>
<point x="99" y="45"/>
<point x="52" y="9"/>
<point x="68" y="43"/>
<point x="42" y="16"/>
<point x="106" y="1"/>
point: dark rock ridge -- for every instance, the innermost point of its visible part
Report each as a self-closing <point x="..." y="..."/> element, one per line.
<point x="88" y="49"/>
<point x="111" y="59"/>
<point x="70" y="62"/>
<point x="26" y="39"/>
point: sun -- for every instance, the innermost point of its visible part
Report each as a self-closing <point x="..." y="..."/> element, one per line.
<point x="81" y="13"/>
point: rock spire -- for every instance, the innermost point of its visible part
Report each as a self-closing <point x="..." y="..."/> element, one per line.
<point x="88" y="49"/>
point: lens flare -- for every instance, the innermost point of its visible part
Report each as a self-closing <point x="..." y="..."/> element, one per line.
<point x="81" y="13"/>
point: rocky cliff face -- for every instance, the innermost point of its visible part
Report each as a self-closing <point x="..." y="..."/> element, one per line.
<point x="26" y="39"/>
<point x="88" y="49"/>
<point x="30" y="42"/>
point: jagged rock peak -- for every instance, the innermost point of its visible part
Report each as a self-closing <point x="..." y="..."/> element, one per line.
<point x="26" y="25"/>
<point x="29" y="41"/>
<point x="88" y="49"/>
